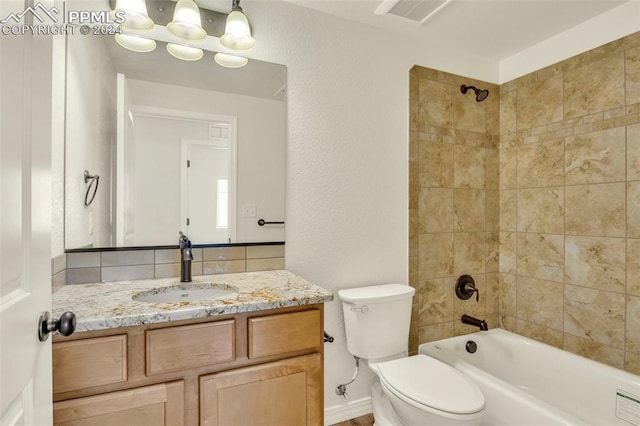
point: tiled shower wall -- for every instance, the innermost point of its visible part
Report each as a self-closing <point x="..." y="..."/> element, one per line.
<point x="453" y="216"/>
<point x="569" y="208"/>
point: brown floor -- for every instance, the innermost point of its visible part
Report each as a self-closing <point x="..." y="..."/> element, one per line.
<point x="360" y="421"/>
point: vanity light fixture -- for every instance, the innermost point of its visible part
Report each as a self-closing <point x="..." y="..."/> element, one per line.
<point x="186" y="22"/>
<point x="135" y="14"/>
<point x="186" y="53"/>
<point x="230" y="61"/>
<point x="237" y="33"/>
<point x="136" y="43"/>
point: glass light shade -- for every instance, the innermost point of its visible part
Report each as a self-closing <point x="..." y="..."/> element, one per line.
<point x="135" y="14"/>
<point x="136" y="43"/>
<point x="237" y="33"/>
<point x="230" y="61"/>
<point x="185" y="53"/>
<point x="186" y="22"/>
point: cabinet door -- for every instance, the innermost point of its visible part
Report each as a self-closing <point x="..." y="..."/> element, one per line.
<point x="282" y="393"/>
<point x="150" y="405"/>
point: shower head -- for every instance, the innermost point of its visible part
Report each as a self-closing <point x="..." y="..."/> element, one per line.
<point x="481" y="95"/>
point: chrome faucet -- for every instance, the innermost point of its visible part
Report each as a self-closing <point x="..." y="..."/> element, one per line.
<point x="466" y="319"/>
<point x="186" y="256"/>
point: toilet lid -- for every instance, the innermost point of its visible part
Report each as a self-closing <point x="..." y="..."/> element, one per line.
<point x="433" y="383"/>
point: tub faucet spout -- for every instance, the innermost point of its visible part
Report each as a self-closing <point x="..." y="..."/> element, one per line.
<point x="482" y="324"/>
<point x="186" y="256"/>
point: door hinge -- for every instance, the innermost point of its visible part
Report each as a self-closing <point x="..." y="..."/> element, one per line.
<point x="188" y="163"/>
<point x="188" y="221"/>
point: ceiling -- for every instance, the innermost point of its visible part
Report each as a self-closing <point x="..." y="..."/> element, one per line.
<point x="495" y="29"/>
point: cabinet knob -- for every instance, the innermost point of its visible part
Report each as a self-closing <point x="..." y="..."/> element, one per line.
<point x="65" y="325"/>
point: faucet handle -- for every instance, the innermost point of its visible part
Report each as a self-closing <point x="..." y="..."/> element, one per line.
<point x="465" y="287"/>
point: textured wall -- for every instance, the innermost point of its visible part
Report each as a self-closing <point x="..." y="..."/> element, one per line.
<point x="570" y="204"/>
<point x="453" y="202"/>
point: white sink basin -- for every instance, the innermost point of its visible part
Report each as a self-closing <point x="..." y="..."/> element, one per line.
<point x="186" y="293"/>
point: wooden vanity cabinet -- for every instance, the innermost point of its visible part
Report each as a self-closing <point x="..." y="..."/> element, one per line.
<point x="255" y="368"/>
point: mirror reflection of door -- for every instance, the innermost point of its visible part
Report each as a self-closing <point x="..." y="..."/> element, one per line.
<point x="207" y="188"/>
<point x="163" y="188"/>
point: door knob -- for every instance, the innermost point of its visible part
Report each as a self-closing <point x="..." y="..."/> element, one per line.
<point x="65" y="325"/>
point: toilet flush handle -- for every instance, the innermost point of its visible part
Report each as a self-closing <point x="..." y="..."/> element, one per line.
<point x="362" y="309"/>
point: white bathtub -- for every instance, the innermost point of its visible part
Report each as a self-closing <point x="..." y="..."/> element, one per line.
<point x="526" y="382"/>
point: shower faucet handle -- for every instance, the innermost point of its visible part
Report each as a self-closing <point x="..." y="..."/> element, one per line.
<point x="465" y="287"/>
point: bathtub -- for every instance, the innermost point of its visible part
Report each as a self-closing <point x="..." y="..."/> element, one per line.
<point x="526" y="382"/>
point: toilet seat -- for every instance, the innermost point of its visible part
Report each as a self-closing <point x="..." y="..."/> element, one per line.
<point x="426" y="382"/>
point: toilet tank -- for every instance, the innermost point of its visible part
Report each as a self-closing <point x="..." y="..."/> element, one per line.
<point x="377" y="319"/>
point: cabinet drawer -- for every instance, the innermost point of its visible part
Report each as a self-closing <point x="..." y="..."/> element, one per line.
<point x="159" y="405"/>
<point x="283" y="333"/>
<point x="86" y="363"/>
<point x="189" y="346"/>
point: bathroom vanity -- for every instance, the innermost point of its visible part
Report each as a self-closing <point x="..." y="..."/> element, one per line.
<point x="252" y="358"/>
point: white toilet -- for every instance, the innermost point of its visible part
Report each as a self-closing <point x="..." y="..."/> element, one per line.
<point x="411" y="391"/>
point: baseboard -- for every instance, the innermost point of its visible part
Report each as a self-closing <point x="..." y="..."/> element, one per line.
<point x="351" y="410"/>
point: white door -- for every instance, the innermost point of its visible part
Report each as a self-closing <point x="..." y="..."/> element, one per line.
<point x="25" y="224"/>
<point x="208" y="188"/>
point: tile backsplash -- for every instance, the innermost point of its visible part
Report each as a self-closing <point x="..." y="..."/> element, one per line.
<point x="120" y="265"/>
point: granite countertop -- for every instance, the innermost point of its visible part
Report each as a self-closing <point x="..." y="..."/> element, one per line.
<point x="110" y="305"/>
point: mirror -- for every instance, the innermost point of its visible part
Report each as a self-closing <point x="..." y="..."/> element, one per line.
<point x="175" y="145"/>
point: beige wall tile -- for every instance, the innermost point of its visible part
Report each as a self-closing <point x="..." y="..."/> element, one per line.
<point x="469" y="209"/>
<point x="59" y="263"/>
<point x="633" y="324"/>
<point x="492" y="252"/>
<point x="507" y="247"/>
<point x="127" y="273"/>
<point x="468" y="253"/>
<point x="414" y="184"/>
<point x="413" y="233"/>
<point x="127" y="257"/>
<point x="594" y="350"/>
<point x="436" y="103"/>
<point x="431" y="333"/>
<point x="435" y="210"/>
<point x="540" y="333"/>
<point x="168" y="270"/>
<point x="632" y="68"/>
<point x="633" y="152"/>
<point x="595" y="157"/>
<point x="470" y="114"/>
<point x="435" y="301"/>
<point x="222" y="267"/>
<point x="436" y="164"/>
<point x="541" y="210"/>
<point x="594" y="314"/>
<point x="597" y="210"/>
<point x="269" y="264"/>
<point x="595" y="262"/>
<point x="435" y="256"/>
<point x="507" y="112"/>
<point x="83" y="259"/>
<point x="469" y="167"/>
<point x="633" y="209"/>
<point x="509" y="323"/>
<point x="492" y="293"/>
<point x="223" y="253"/>
<point x="83" y="275"/>
<point x="266" y="251"/>
<point x="541" y="164"/>
<point x="632" y="363"/>
<point x="508" y="210"/>
<point x="633" y="267"/>
<point x="595" y="87"/>
<point x="492" y="210"/>
<point x="539" y="102"/>
<point x="539" y="302"/>
<point x="167" y="256"/>
<point x="508" y="167"/>
<point x="492" y="157"/>
<point x="541" y="256"/>
<point x="413" y="271"/>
